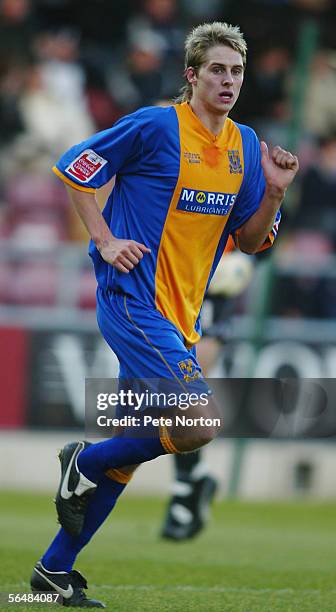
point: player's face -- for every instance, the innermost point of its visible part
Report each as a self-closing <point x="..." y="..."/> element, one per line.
<point x="219" y="79"/>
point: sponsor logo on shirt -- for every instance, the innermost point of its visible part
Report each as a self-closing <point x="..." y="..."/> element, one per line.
<point x="86" y="166"/>
<point x="206" y="202"/>
<point x="235" y="163"/>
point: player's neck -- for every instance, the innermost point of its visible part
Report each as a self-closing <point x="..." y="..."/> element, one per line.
<point x="214" y="122"/>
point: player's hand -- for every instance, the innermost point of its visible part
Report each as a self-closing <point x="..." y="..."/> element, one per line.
<point x="124" y="255"/>
<point x="279" y="168"/>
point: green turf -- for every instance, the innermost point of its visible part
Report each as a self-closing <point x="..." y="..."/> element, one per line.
<point x="254" y="557"/>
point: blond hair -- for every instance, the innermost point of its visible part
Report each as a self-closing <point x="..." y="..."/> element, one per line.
<point x="204" y="37"/>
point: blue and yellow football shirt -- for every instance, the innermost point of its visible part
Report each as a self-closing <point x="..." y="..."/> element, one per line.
<point x="181" y="191"/>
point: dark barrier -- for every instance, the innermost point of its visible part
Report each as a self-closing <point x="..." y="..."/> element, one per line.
<point x="43" y="382"/>
<point x="59" y="363"/>
<point x="259" y="408"/>
<point x="13" y="377"/>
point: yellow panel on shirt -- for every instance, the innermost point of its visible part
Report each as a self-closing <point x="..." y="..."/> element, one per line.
<point x="211" y="174"/>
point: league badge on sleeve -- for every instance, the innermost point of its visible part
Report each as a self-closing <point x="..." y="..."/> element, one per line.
<point x="235" y="163"/>
<point x="86" y="166"/>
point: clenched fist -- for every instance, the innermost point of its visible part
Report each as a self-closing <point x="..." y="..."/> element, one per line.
<point x="279" y="168"/>
<point x="124" y="255"/>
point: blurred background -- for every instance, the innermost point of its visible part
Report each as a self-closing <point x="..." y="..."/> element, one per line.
<point x="70" y="68"/>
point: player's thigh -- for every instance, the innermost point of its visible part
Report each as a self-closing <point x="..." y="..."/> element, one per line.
<point x="146" y="343"/>
<point x="152" y="354"/>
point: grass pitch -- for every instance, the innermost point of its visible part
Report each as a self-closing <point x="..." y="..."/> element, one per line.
<point x="254" y="557"/>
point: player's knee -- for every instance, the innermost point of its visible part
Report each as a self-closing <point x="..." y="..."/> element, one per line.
<point x="206" y="434"/>
<point x="196" y="427"/>
<point x="195" y="438"/>
<point x="209" y="427"/>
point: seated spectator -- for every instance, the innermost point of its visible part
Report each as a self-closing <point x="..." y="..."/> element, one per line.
<point x="141" y="79"/>
<point x="18" y="24"/>
<point x="317" y="205"/>
<point x="320" y="107"/>
<point x="39" y="102"/>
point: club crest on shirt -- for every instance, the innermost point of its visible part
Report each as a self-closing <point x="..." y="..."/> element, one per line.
<point x="234" y="161"/>
<point x="86" y="165"/>
<point x="188" y="369"/>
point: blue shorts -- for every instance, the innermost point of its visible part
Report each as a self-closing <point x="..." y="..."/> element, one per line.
<point x="147" y="345"/>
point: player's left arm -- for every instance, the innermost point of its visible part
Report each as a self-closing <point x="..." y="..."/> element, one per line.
<point x="279" y="170"/>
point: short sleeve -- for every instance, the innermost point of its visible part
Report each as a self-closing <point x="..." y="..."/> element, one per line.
<point x="93" y="162"/>
<point x="253" y="185"/>
<point x="252" y="190"/>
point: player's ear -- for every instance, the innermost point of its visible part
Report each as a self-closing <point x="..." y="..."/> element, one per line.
<point x="191" y="75"/>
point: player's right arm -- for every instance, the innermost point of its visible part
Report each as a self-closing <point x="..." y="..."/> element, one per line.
<point x="120" y="253"/>
<point x="91" y="165"/>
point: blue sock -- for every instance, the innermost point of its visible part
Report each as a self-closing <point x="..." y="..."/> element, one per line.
<point x="64" y="549"/>
<point x="116" y="452"/>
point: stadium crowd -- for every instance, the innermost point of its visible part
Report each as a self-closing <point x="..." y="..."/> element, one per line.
<point x="70" y="68"/>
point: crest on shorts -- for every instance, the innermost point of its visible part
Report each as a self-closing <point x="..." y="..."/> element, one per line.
<point x="234" y="161"/>
<point x="189" y="370"/>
